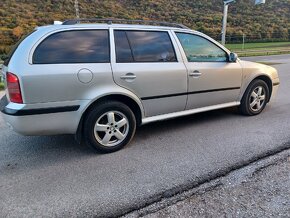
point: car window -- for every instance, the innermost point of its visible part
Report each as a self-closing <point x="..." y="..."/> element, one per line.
<point x="123" y="50"/>
<point x="79" y="46"/>
<point x="199" y="49"/>
<point x="143" y="46"/>
<point x="7" y="57"/>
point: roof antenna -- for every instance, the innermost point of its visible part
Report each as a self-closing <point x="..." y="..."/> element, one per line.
<point x="77" y="9"/>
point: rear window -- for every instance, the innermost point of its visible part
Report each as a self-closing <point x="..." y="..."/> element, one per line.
<point x="80" y="46"/>
<point x="143" y="46"/>
<point x="8" y="57"/>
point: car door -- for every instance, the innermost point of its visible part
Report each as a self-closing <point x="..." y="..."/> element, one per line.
<point x="213" y="79"/>
<point x="146" y="63"/>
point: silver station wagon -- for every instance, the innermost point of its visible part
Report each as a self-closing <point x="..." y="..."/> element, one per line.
<point x="100" y="79"/>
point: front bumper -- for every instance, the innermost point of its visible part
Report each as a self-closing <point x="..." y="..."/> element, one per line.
<point x="276" y="83"/>
<point x="42" y="119"/>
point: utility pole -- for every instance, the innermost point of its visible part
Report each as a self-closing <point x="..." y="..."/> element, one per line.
<point x="77" y="9"/>
<point x="225" y="17"/>
<point x="243" y="41"/>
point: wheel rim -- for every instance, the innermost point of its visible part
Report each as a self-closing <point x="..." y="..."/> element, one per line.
<point x="111" y="128"/>
<point x="257" y="98"/>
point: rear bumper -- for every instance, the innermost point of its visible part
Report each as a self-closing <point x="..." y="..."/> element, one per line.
<point x="49" y="120"/>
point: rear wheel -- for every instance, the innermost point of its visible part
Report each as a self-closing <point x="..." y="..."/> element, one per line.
<point x="109" y="127"/>
<point x="255" y="98"/>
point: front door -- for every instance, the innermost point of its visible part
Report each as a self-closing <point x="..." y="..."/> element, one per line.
<point x="213" y="80"/>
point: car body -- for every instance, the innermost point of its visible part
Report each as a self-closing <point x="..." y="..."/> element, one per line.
<point x="58" y="88"/>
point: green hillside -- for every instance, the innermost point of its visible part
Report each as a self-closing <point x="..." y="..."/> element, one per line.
<point x="271" y="20"/>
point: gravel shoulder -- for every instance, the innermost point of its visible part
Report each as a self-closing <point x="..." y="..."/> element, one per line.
<point x="261" y="189"/>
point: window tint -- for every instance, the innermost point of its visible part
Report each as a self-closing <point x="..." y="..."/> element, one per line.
<point x="83" y="46"/>
<point x="144" y="46"/>
<point x="123" y="50"/>
<point x="199" y="49"/>
<point x="7" y="58"/>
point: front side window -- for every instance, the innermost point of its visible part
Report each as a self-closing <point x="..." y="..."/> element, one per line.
<point x="143" y="46"/>
<point x="199" y="49"/>
<point x="77" y="46"/>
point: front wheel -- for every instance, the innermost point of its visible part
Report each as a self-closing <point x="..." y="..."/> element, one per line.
<point x="109" y="126"/>
<point x="255" y="98"/>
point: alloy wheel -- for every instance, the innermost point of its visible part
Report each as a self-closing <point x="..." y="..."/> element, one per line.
<point x="111" y="128"/>
<point x="257" y="98"/>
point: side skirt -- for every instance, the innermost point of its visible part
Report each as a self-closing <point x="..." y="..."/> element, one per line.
<point x="187" y="112"/>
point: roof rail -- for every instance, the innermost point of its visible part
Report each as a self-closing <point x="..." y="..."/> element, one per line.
<point x="111" y="21"/>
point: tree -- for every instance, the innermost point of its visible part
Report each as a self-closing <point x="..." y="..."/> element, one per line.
<point x="17" y="32"/>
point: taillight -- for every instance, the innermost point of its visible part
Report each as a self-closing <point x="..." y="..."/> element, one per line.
<point x="13" y="88"/>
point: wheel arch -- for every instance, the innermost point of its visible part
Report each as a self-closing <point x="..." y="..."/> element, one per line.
<point x="266" y="79"/>
<point x="131" y="103"/>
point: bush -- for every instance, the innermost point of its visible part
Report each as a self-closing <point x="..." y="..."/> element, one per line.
<point x="1" y="86"/>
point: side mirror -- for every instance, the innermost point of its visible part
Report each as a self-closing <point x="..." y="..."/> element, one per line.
<point x="233" y="57"/>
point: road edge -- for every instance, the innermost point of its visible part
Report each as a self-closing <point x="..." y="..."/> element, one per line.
<point x="214" y="179"/>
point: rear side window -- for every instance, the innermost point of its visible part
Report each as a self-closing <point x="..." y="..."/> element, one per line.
<point x="80" y="46"/>
<point x="123" y="50"/>
<point x="143" y="46"/>
<point x="7" y="58"/>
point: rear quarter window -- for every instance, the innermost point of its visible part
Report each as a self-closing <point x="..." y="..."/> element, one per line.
<point x="8" y="57"/>
<point x="74" y="46"/>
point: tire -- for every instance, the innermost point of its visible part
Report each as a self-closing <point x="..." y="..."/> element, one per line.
<point x="109" y="126"/>
<point x="255" y="98"/>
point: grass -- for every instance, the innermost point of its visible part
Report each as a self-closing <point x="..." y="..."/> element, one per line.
<point x="259" y="45"/>
<point x="260" y="48"/>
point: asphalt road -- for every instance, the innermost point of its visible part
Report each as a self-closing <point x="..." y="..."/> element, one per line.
<point x="54" y="176"/>
<point x="261" y="189"/>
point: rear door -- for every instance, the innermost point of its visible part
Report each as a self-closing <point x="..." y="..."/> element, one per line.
<point x="146" y="62"/>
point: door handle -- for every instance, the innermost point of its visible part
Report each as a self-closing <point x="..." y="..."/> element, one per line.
<point x="195" y="73"/>
<point x="128" y="76"/>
